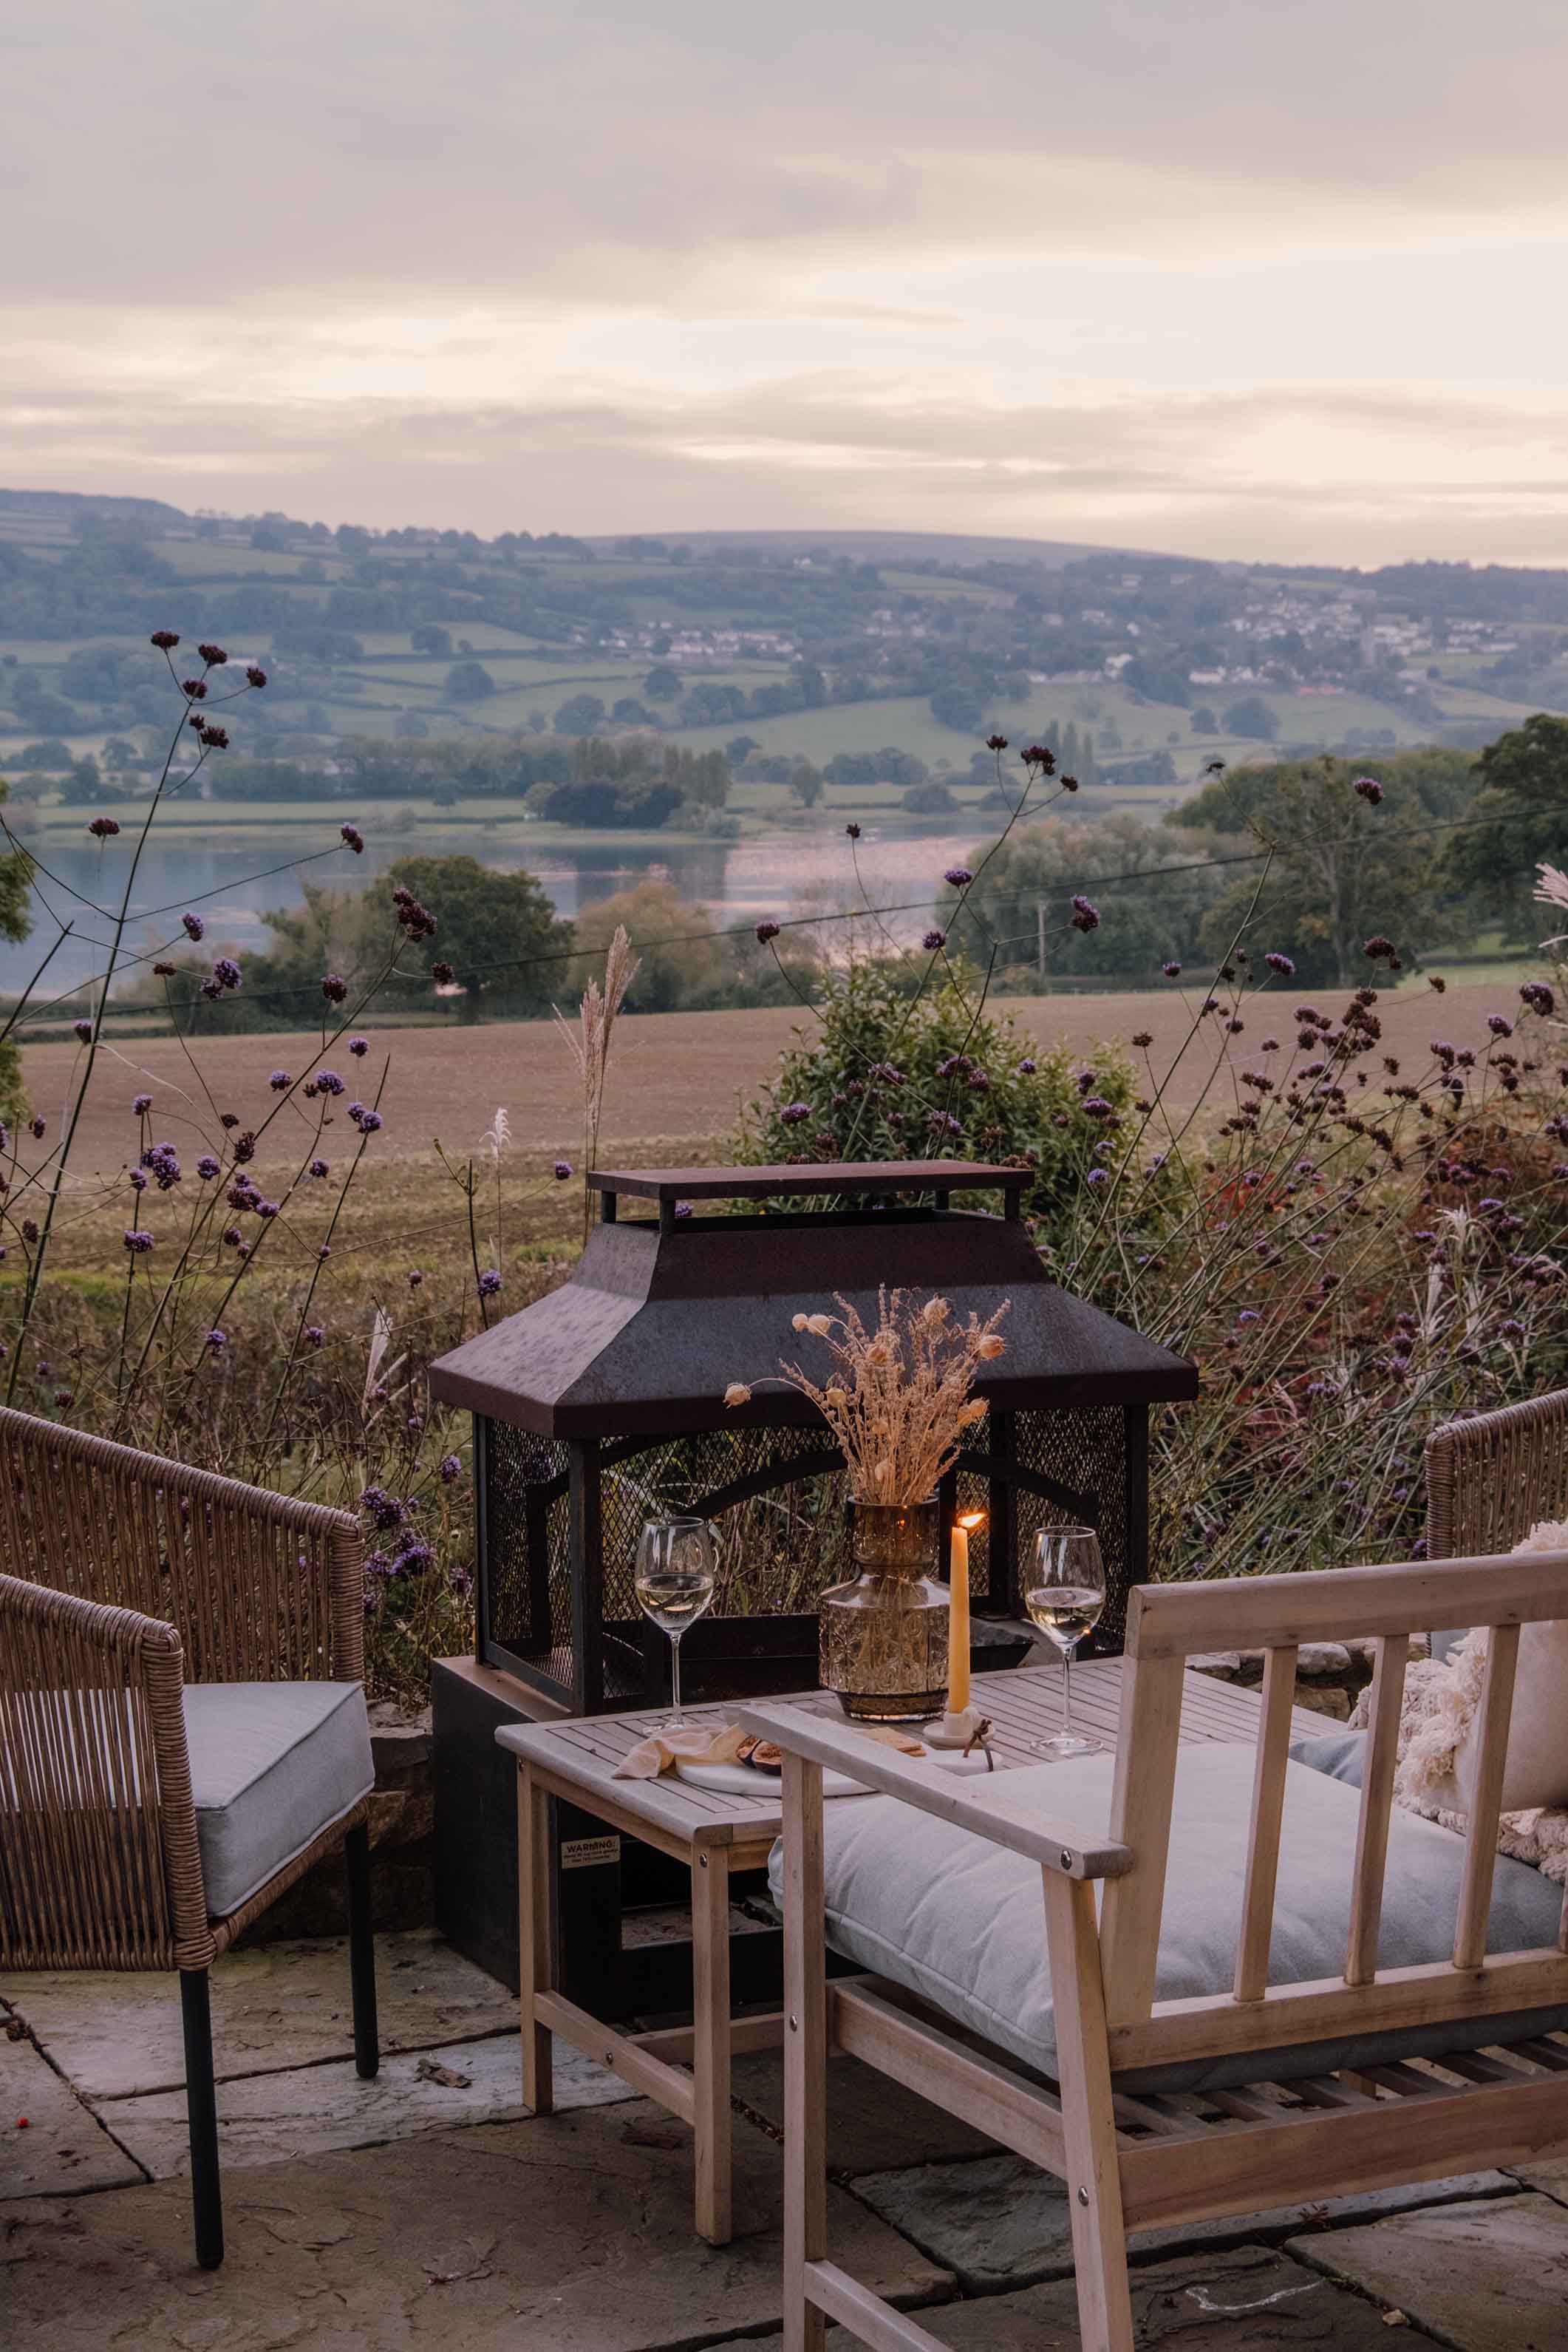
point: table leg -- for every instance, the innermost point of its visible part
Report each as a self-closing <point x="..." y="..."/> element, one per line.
<point x="710" y="2042"/>
<point x="535" y="1965"/>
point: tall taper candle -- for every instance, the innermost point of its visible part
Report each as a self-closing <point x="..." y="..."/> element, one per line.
<point x="958" y="1622"/>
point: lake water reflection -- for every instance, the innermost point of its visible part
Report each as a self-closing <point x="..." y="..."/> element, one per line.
<point x="232" y="887"/>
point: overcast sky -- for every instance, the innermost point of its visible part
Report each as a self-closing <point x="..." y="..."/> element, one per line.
<point x="1276" y="279"/>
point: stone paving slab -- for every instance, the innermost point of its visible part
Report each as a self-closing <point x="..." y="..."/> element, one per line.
<point x="1248" y="2300"/>
<point x="874" y="2123"/>
<point x="280" y="2006"/>
<point x="1491" y="2278"/>
<point x="272" y="2118"/>
<point x="1000" y="2222"/>
<point x="571" y="2234"/>
<point x="49" y="2144"/>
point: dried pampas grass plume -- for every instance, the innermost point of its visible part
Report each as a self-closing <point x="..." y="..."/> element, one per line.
<point x="590" y="1046"/>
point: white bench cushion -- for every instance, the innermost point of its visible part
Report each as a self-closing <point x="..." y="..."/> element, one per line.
<point x="272" y="1766"/>
<point x="960" y="1922"/>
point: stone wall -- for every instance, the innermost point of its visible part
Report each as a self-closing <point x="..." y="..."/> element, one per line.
<point x="403" y="1843"/>
<point x="1329" y="1675"/>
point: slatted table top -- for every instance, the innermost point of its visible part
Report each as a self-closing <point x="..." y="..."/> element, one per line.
<point x="1024" y="1705"/>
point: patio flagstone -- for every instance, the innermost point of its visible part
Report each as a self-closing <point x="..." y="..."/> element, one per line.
<point x="1000" y="2222"/>
<point x="279" y="2006"/>
<point x="1243" y="2300"/>
<point x="1491" y="2277"/>
<point x="560" y="2234"/>
<point x="49" y="2143"/>
<point x="270" y="2119"/>
<point x="874" y="2123"/>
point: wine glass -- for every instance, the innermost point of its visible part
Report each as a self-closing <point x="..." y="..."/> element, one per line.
<point x="1065" y="1599"/>
<point x="676" y="1576"/>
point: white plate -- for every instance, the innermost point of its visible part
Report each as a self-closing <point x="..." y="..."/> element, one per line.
<point x="740" y="1781"/>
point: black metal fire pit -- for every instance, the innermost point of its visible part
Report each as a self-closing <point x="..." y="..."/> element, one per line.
<point x="602" y="1405"/>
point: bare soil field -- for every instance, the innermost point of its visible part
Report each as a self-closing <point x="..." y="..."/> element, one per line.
<point x="672" y="1076"/>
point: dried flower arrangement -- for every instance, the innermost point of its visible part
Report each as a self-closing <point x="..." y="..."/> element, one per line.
<point x="898" y="1400"/>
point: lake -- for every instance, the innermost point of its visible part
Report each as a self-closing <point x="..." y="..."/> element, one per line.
<point x="233" y="887"/>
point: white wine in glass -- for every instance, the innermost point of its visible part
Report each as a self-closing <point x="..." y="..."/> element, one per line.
<point x="676" y="1578"/>
<point x="1065" y="1598"/>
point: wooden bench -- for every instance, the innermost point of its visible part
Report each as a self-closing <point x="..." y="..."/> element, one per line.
<point x="1137" y="2162"/>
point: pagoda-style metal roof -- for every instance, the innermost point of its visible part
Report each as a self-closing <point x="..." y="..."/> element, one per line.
<point x="660" y="1316"/>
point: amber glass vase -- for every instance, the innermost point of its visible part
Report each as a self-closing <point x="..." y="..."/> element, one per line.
<point x="884" y="1635"/>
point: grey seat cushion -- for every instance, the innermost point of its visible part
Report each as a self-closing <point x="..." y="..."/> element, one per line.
<point x="272" y="1766"/>
<point x="1340" y="1753"/>
<point x="960" y="1922"/>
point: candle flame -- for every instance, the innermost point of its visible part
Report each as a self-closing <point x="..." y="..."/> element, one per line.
<point x="970" y="1519"/>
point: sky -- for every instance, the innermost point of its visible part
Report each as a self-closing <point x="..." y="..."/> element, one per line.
<point x="1262" y="280"/>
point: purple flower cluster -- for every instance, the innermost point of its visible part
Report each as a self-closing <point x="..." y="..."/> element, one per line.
<point x="207" y="1167"/>
<point x="1369" y="789"/>
<point x="766" y="931"/>
<point x="161" y="1163"/>
<point x="354" y="837"/>
<point x="1280" y="964"/>
<point x="933" y="940"/>
<point x="1171" y="971"/>
<point x="793" y="1113"/>
<point x="195" y="929"/>
<point x="416" y="921"/>
<point x="280" y="1082"/>
<point x="137" y="1241"/>
<point x="958" y="877"/>
<point x="1086" y="917"/>
<point x="84" y="1031"/>
<point x="368" y="1121"/>
<point x="334" y="987"/>
<point x="327" y="1082"/>
<point x="489" y="1283"/>
<point x="359" y="1047"/>
<point x="103" y="828"/>
<point x="562" y="1170"/>
<point x="451" y="1469"/>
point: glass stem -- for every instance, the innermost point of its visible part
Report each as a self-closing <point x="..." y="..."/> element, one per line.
<point x="675" y="1676"/>
<point x="1067" y="1692"/>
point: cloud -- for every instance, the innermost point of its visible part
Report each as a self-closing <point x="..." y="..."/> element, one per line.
<point x="1244" y="279"/>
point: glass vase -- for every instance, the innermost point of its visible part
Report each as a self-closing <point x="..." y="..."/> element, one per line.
<point x="884" y="1635"/>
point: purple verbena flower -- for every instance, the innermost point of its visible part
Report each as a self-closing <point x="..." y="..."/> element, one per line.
<point x="451" y="1468"/>
<point x="207" y="1167"/>
<point x="334" y="987"/>
<point x="562" y="1170"/>
<point x="353" y="836"/>
<point x="1171" y="971"/>
<point x="141" y="1104"/>
<point x="217" y="1340"/>
<point x="196" y="928"/>
<point x="415" y="1276"/>
<point x="1499" y="1026"/>
<point x="1368" y="788"/>
<point x="766" y="931"/>
<point x="136" y="1241"/>
<point x="227" y="972"/>
<point x="1098" y="1176"/>
<point x="280" y="1082"/>
<point x="370" y="1122"/>
<point x="1085" y="915"/>
<point x="1538" y="997"/>
<point x="320" y="1167"/>
<point x="1280" y="964"/>
<point x="103" y="828"/>
<point x="328" y="1082"/>
<point x="313" y="1335"/>
<point x="793" y="1113"/>
<point x="959" y="876"/>
<point x="359" y="1046"/>
<point x="1027" y="1067"/>
<point x="933" y="940"/>
<point x="84" y="1031"/>
<point x="489" y="1282"/>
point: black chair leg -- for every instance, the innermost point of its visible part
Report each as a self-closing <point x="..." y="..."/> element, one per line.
<point x="362" y="1951"/>
<point x="202" y="2113"/>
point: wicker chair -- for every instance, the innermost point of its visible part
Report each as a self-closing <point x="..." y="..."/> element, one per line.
<point x="132" y="1583"/>
<point x="1491" y="1478"/>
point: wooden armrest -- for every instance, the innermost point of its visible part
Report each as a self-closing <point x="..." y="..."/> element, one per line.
<point x="1054" y="1845"/>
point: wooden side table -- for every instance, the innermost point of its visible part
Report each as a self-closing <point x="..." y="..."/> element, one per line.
<point x="715" y="1835"/>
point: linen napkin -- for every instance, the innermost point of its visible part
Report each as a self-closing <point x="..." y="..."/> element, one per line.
<point x="722" y="1744"/>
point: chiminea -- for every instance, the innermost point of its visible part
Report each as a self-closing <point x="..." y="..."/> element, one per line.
<point x="602" y="1405"/>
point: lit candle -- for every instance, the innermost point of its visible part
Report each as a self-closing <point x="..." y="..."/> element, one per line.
<point x="958" y="1614"/>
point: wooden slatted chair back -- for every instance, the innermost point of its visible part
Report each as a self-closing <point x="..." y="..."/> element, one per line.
<point x="1166" y="1625"/>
